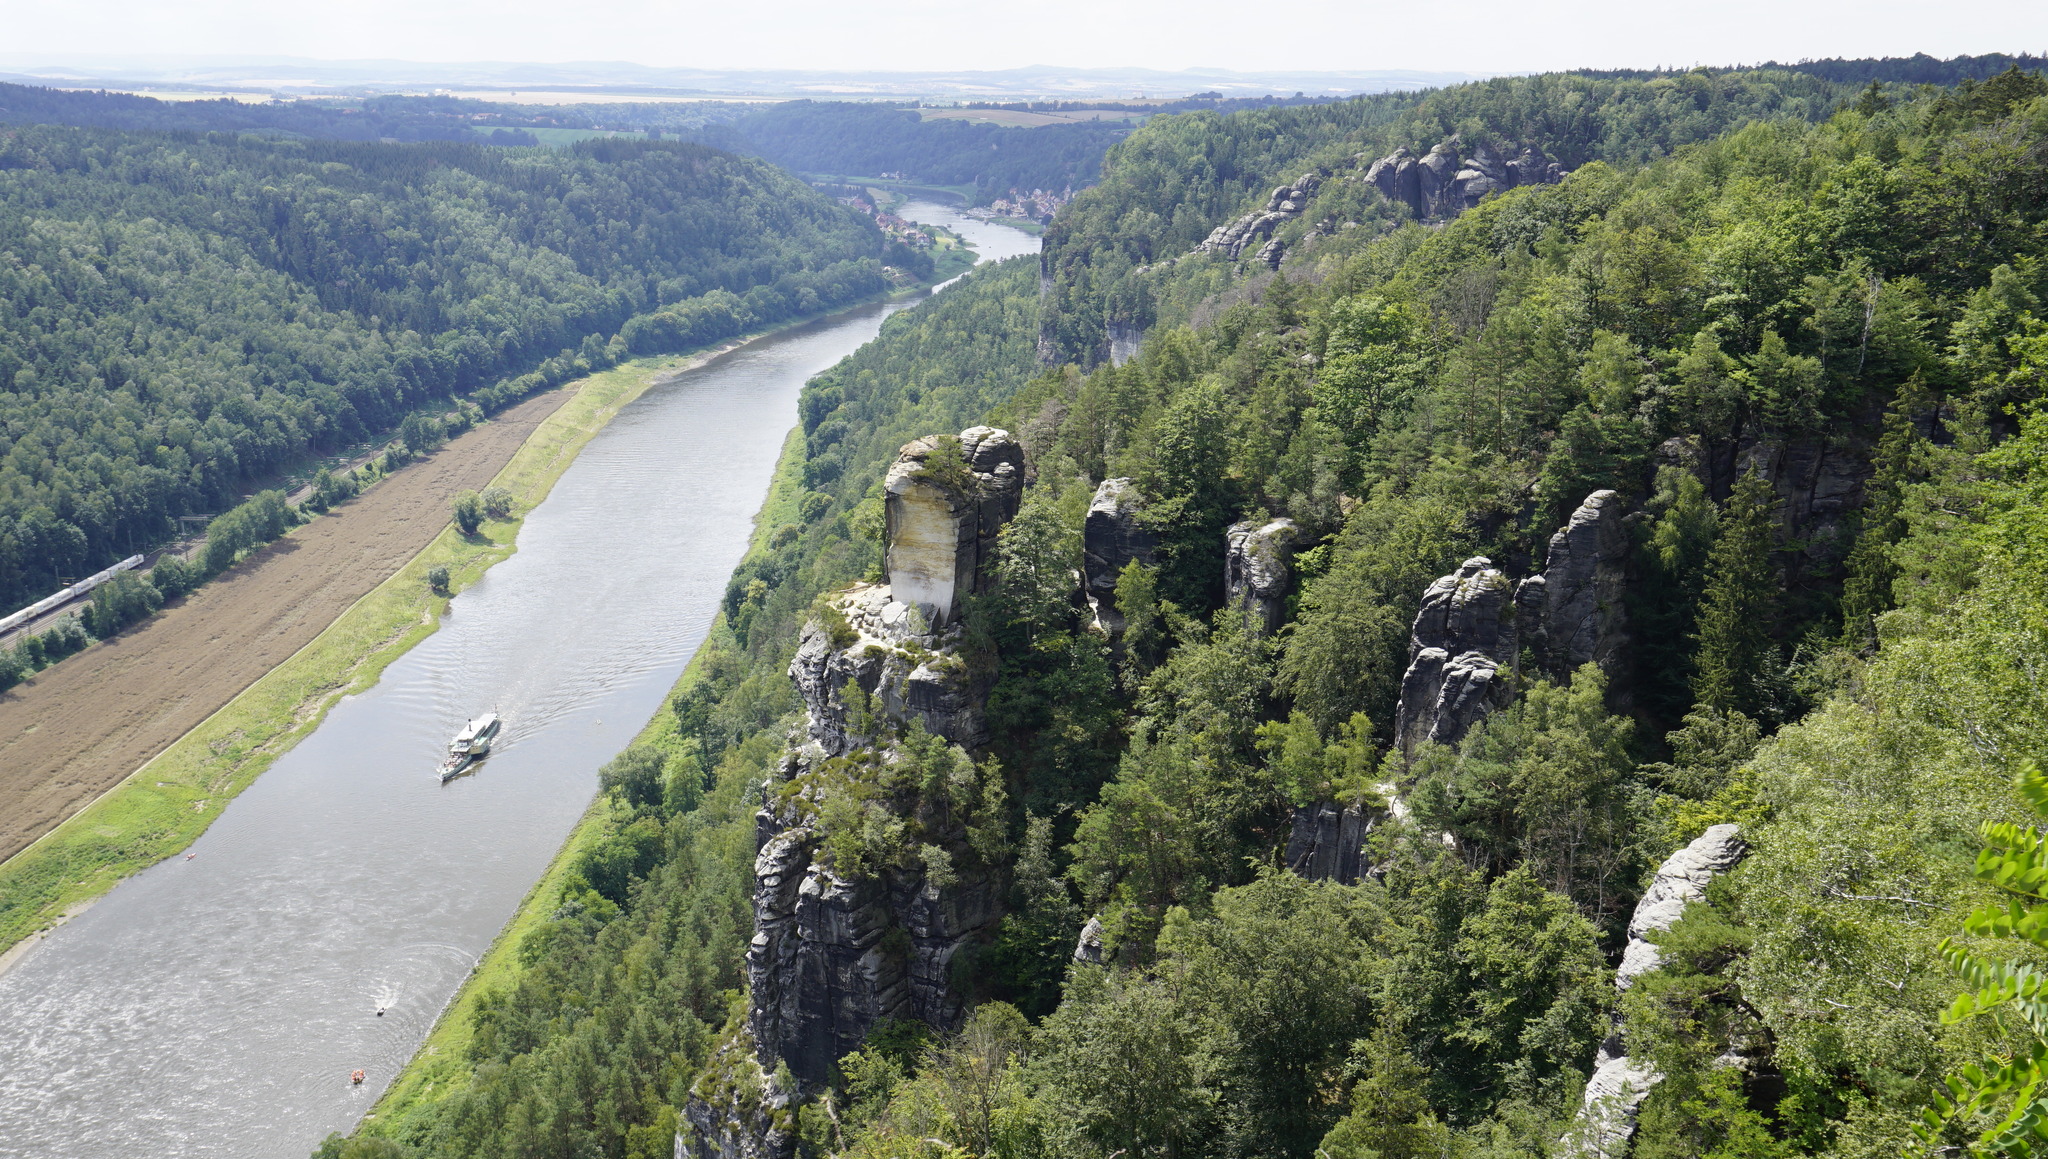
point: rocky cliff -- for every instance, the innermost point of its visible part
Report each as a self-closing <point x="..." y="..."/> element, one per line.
<point x="1442" y="183"/>
<point x="1258" y="571"/>
<point x="847" y="936"/>
<point x="1283" y="205"/>
<point x="1461" y="656"/>
<point x="947" y="496"/>
<point x="1574" y="610"/>
<point x="1451" y="179"/>
<point x="1327" y="841"/>
<point x="1465" y="650"/>
<point x="1819" y="482"/>
<point x="1475" y="626"/>
<point x="1112" y="538"/>
<point x="1606" y="1121"/>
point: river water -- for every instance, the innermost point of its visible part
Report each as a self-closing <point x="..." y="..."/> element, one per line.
<point x="216" y="1005"/>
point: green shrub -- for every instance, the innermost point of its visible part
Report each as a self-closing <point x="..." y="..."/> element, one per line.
<point x="121" y="601"/>
<point x="468" y="509"/>
<point x="174" y="576"/>
<point x="421" y="433"/>
<point x="251" y="525"/>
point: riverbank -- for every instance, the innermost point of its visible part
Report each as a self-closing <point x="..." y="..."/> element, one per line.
<point x="253" y="705"/>
<point x="442" y="1062"/>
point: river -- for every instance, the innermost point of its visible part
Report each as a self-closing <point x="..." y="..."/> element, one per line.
<point x="215" y="1005"/>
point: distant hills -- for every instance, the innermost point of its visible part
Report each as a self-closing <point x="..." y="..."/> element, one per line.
<point x="299" y="75"/>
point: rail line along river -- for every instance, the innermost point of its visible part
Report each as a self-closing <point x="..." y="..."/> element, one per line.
<point x="215" y="1005"/>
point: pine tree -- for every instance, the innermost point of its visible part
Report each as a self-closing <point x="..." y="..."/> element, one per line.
<point x="1867" y="589"/>
<point x="1735" y="613"/>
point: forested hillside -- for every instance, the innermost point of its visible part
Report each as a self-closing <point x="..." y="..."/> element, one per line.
<point x="180" y="317"/>
<point x="627" y="987"/>
<point x="1578" y="637"/>
<point x="370" y="119"/>
<point x="836" y="138"/>
<point x="1115" y="256"/>
<point x="849" y="138"/>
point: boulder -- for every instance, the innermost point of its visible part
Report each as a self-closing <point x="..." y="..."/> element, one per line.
<point x="1606" y="1121"/>
<point x="1575" y="612"/>
<point x="1463" y="639"/>
<point x="1112" y="538"/>
<point x="942" y="520"/>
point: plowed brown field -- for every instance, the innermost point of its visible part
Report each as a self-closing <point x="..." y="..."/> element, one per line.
<point x="80" y="728"/>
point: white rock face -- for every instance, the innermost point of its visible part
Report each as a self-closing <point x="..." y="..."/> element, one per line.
<point x="943" y="518"/>
<point x="923" y="549"/>
<point x="1680" y="881"/>
<point x="1606" y="1121"/>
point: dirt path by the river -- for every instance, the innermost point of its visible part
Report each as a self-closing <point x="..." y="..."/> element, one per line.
<point x="80" y="728"/>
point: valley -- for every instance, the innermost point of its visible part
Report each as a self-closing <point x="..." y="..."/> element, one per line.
<point x="345" y="880"/>
<point x="1480" y="622"/>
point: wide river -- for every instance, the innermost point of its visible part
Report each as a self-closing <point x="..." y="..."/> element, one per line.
<point x="215" y="1005"/>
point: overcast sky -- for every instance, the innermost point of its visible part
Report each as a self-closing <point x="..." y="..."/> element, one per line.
<point x="1473" y="35"/>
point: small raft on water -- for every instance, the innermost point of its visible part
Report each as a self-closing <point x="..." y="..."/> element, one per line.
<point x="356" y="1079"/>
<point x="470" y="745"/>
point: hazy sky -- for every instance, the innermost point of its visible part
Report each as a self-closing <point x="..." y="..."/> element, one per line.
<point x="1475" y="35"/>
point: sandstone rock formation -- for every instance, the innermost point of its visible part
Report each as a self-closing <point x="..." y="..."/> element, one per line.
<point x="1460" y="650"/>
<point x="1285" y="204"/>
<point x="906" y="669"/>
<point x="841" y="946"/>
<point x="1088" y="947"/>
<point x="1126" y="338"/>
<point x="1258" y="571"/>
<point x="1606" y="1121"/>
<point x="745" y="1118"/>
<point x="832" y="956"/>
<point x="1441" y="184"/>
<point x="1111" y="539"/>
<point x="942" y="521"/>
<point x="1819" y="482"/>
<point x="1327" y="842"/>
<point x="1574" y="612"/>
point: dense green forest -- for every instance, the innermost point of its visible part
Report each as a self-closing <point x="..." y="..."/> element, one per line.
<point x="182" y="317"/>
<point x="1112" y="257"/>
<point x="841" y="138"/>
<point x="1918" y="69"/>
<point x="847" y="138"/>
<point x="1744" y="272"/>
<point x="369" y="119"/>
